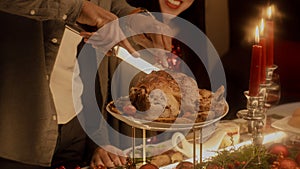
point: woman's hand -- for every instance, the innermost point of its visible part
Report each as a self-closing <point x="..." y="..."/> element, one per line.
<point x="151" y="34"/>
<point x="107" y="156"/>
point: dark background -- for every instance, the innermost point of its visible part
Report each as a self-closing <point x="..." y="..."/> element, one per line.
<point x="243" y="17"/>
<point x="286" y="49"/>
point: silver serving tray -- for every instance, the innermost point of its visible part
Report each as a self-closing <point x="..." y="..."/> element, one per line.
<point x="161" y="126"/>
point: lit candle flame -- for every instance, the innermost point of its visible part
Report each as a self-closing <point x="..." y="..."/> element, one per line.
<point x="269" y="12"/>
<point x="256" y="35"/>
<point x="262" y="27"/>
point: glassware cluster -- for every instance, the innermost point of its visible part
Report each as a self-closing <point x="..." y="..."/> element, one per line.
<point x="257" y="107"/>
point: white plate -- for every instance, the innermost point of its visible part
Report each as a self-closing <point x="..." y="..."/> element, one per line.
<point x="283" y="125"/>
<point x="151" y="149"/>
<point x="284" y="111"/>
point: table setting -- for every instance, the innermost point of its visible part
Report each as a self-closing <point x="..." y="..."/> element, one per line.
<point x="263" y="123"/>
<point x="265" y="134"/>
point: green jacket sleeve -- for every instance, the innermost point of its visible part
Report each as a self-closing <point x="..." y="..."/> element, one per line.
<point x="121" y="8"/>
<point x="67" y="10"/>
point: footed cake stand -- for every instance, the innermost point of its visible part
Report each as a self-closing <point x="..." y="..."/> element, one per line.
<point x="145" y="125"/>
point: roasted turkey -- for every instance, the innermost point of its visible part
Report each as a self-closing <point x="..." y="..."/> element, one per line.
<point x="166" y="95"/>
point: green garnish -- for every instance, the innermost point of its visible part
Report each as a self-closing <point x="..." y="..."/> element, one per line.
<point x="246" y="157"/>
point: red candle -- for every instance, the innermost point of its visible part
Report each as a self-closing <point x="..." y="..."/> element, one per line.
<point x="270" y="38"/>
<point x="262" y="43"/>
<point x="255" y="70"/>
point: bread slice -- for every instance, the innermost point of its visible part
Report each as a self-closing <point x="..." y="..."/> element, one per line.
<point x="295" y="119"/>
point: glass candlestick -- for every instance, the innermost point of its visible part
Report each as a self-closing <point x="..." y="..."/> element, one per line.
<point x="269" y="73"/>
<point x="273" y="92"/>
<point x="255" y="117"/>
<point x="262" y="101"/>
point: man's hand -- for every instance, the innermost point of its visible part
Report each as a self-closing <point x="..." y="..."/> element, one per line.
<point x="94" y="15"/>
<point x="107" y="156"/>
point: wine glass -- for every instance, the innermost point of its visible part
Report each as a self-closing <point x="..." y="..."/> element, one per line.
<point x="273" y="93"/>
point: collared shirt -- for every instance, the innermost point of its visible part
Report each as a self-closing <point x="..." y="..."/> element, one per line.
<point x="65" y="89"/>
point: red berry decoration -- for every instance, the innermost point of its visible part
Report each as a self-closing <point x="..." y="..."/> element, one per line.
<point x="230" y="166"/>
<point x="77" y="167"/>
<point x="279" y="149"/>
<point x="237" y="163"/>
<point x="287" y="163"/>
<point x="61" y="167"/>
<point x="185" y="165"/>
<point x="212" y="166"/>
<point x="148" y="166"/>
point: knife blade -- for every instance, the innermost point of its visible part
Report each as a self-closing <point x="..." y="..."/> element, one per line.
<point x="137" y="62"/>
<point x="123" y="54"/>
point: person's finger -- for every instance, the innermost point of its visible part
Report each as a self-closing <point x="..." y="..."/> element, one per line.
<point x="123" y="160"/>
<point x="122" y="157"/>
<point x="157" y="41"/>
<point x="142" y="40"/>
<point x="125" y="44"/>
<point x="115" y="159"/>
<point x="160" y="54"/>
<point x="106" y="159"/>
<point x="167" y="42"/>
<point x="86" y="35"/>
<point x="96" y="163"/>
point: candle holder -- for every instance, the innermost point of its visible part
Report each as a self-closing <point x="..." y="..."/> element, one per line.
<point x="262" y="100"/>
<point x="255" y="115"/>
<point x="269" y="73"/>
<point x="272" y="95"/>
